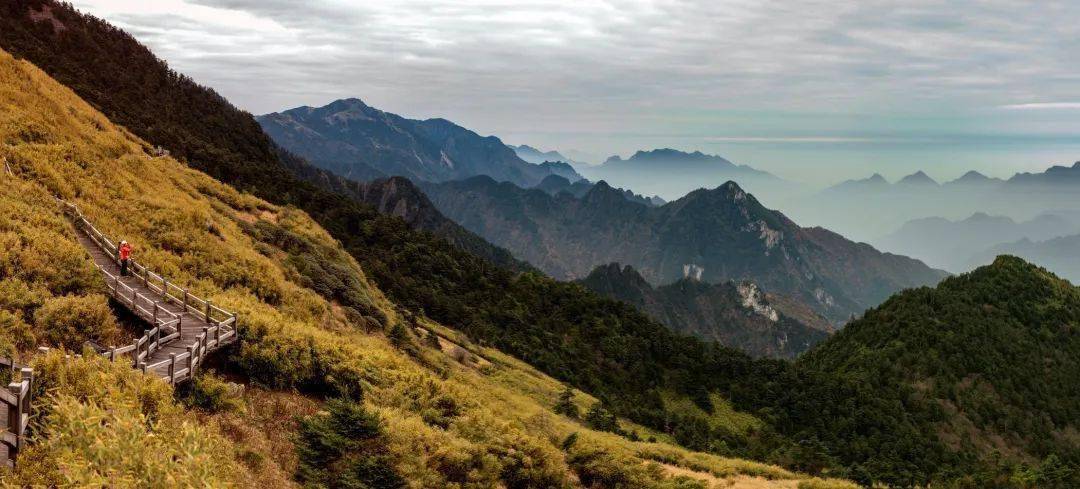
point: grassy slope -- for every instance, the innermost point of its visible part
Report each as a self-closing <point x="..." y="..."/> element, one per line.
<point x="265" y="262"/>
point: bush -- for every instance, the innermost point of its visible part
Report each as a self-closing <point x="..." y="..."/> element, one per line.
<point x="105" y="424"/>
<point x="344" y="447"/>
<point x="211" y="393"/>
<point x="566" y="406"/>
<point x="15" y="332"/>
<point x="70" y="321"/>
<point x="601" y="419"/>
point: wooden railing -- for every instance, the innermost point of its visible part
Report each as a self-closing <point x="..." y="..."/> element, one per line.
<point x="218" y="326"/>
<point x="14" y="411"/>
<point x="182" y="366"/>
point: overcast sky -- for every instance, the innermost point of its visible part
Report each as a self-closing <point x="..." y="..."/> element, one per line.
<point x="814" y="91"/>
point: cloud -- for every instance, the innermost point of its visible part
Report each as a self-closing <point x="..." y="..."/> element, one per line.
<point x="551" y="72"/>
<point x="1043" y="106"/>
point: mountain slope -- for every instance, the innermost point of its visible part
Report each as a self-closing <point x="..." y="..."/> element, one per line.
<point x="1010" y="322"/>
<point x="725" y="231"/>
<point x="312" y="327"/>
<point x="737" y="316"/>
<point x="640" y="369"/>
<point x="360" y="142"/>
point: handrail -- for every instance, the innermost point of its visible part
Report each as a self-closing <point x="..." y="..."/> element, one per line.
<point x="167" y="326"/>
<point x="15" y="402"/>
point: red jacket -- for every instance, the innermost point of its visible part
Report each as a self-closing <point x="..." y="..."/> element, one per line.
<point x="125" y="252"/>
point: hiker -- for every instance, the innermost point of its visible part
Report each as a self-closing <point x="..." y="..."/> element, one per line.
<point x="125" y="258"/>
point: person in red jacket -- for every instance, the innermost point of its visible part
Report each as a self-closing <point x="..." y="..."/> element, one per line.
<point x="125" y="257"/>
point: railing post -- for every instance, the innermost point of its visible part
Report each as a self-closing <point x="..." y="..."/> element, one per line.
<point x="185" y="302"/>
<point x="135" y="354"/>
<point x="142" y="366"/>
<point x="190" y="365"/>
<point x="172" y="368"/>
<point x="164" y="289"/>
<point x="155" y="313"/>
<point x="208" y="311"/>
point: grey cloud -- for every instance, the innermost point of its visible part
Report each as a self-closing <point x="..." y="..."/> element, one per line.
<point x="630" y="66"/>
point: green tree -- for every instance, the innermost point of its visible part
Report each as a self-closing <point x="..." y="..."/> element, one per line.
<point x="565" y="406"/>
<point x="601" y="419"/>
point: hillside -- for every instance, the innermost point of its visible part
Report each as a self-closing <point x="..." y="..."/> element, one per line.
<point x="737" y="316"/>
<point x="988" y="358"/>
<point x="313" y="327"/>
<point x="725" y="231"/>
<point x="360" y="142"/>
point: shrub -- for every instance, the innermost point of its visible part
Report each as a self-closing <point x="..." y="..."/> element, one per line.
<point x="69" y="321"/>
<point x="209" y="392"/>
<point x="344" y="447"/>
<point x="565" y="406"/>
<point x="99" y="424"/>
<point x="15" y="332"/>
<point x="601" y="419"/>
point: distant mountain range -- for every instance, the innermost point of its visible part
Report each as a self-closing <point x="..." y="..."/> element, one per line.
<point x="672" y="174"/>
<point x="556" y="184"/>
<point x="723" y="232"/>
<point x="360" y="142"/>
<point x="952" y="245"/>
<point x="533" y="155"/>
<point x="735" y="315"/>
<point x="869" y="208"/>
<point x="1060" y="255"/>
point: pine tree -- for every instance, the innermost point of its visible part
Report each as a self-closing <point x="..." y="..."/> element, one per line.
<point x="566" y="406"/>
<point x="601" y="419"/>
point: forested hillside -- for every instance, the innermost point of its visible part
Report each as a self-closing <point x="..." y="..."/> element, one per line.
<point x="989" y="359"/>
<point x="735" y="315"/>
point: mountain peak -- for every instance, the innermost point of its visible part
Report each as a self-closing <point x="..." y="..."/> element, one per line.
<point x="917" y="178"/>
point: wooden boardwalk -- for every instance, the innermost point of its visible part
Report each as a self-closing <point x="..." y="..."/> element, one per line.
<point x="182" y="329"/>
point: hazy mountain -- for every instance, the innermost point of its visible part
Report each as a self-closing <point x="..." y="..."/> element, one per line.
<point x="869" y="208"/>
<point x="533" y="155"/>
<point x="671" y="173"/>
<point x="918" y="179"/>
<point x="360" y="142"/>
<point x="974" y="179"/>
<point x="554" y="184"/>
<point x="561" y="169"/>
<point x="724" y="231"/>
<point x="1060" y="255"/>
<point x="951" y="245"/>
<point x="736" y="315"/>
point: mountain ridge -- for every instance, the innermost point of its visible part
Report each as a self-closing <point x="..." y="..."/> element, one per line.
<point x="355" y="140"/>
<point x="553" y="233"/>
<point x="736" y="315"/>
